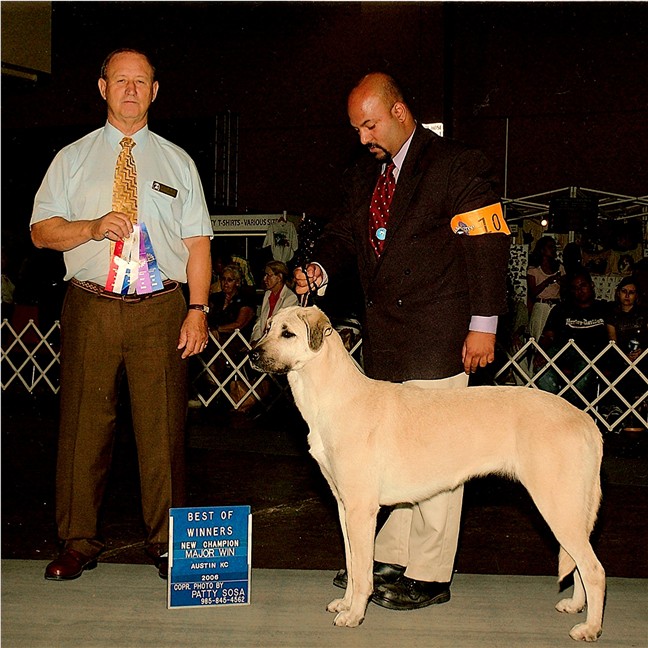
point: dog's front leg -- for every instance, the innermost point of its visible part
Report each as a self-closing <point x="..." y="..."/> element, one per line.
<point x="341" y="604"/>
<point x="360" y="524"/>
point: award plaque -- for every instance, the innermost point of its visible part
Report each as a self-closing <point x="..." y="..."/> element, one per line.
<point x="209" y="556"/>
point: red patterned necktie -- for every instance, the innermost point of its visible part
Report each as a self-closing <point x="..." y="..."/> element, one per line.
<point x="379" y="208"/>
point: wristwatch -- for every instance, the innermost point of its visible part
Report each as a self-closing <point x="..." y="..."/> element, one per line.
<point x="201" y="307"/>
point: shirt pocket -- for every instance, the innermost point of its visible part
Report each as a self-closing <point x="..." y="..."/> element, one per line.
<point x="160" y="207"/>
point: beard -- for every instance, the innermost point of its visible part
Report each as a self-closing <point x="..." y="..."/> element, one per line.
<point x="379" y="152"/>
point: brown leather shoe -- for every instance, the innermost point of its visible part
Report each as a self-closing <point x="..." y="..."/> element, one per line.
<point x="161" y="560"/>
<point x="69" y="565"/>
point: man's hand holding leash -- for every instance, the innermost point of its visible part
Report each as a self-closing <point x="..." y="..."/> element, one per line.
<point x="308" y="279"/>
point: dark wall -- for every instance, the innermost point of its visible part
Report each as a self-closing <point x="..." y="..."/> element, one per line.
<point x="284" y="68"/>
<point x="569" y="77"/>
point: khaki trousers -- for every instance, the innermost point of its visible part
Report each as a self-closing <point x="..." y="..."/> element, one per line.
<point x="101" y="339"/>
<point x="423" y="537"/>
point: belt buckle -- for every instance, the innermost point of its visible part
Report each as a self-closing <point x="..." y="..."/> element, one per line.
<point x="133" y="298"/>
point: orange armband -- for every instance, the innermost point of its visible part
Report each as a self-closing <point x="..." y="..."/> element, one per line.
<point x="485" y="220"/>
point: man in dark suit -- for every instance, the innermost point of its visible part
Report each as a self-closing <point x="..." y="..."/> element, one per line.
<point x="434" y="282"/>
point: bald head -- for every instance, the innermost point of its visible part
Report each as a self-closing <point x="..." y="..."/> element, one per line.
<point x="379" y="85"/>
<point x="379" y="114"/>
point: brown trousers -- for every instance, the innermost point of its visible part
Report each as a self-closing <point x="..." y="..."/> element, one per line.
<point x="101" y="339"/>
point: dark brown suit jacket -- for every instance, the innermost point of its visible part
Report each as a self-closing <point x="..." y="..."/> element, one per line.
<point x="420" y="295"/>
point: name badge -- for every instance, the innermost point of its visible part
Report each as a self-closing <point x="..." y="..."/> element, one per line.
<point x="485" y="220"/>
<point x="162" y="188"/>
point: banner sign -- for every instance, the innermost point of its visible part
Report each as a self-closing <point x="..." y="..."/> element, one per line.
<point x="209" y="556"/>
<point x="243" y="223"/>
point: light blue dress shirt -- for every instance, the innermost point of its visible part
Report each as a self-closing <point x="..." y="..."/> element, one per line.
<point x="78" y="186"/>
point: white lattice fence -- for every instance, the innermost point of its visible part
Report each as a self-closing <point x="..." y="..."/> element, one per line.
<point x="610" y="387"/>
<point x="30" y="361"/>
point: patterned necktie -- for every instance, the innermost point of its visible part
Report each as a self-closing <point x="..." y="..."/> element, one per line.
<point x="379" y="208"/>
<point x="125" y="183"/>
<point x="124" y="254"/>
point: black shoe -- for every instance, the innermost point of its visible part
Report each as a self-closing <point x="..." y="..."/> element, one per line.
<point x="382" y="573"/>
<point x="409" y="594"/>
<point x="160" y="560"/>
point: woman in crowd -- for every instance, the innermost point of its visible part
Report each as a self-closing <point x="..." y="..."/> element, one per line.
<point x="543" y="283"/>
<point x="277" y="295"/>
<point x="627" y="325"/>
<point x="232" y="308"/>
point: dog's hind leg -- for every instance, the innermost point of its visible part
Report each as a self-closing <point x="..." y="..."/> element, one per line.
<point x="576" y="603"/>
<point x="360" y="522"/>
<point x="572" y="522"/>
<point x="570" y="511"/>
<point x="589" y="584"/>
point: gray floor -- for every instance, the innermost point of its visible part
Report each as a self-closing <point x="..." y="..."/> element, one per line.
<point x="124" y="606"/>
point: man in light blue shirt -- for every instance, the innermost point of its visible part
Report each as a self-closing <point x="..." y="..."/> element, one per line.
<point x="136" y="324"/>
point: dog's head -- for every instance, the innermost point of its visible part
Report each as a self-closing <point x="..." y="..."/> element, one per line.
<point x="292" y="337"/>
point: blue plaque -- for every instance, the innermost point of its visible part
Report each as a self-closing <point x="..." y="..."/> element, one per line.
<point x="209" y="556"/>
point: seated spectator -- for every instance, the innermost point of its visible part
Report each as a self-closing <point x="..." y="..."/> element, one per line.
<point x="627" y="325"/>
<point x="277" y="295"/>
<point x="580" y="318"/>
<point x="627" y="249"/>
<point x="232" y="308"/>
<point x="543" y="283"/>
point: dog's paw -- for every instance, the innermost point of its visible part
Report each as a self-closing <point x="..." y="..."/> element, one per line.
<point x="569" y="606"/>
<point x="345" y="619"/>
<point x="338" y="605"/>
<point x="585" y="632"/>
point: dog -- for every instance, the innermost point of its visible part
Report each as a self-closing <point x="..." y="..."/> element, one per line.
<point x="381" y="443"/>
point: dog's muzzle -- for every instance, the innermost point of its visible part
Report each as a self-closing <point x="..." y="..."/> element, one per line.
<point x="262" y="362"/>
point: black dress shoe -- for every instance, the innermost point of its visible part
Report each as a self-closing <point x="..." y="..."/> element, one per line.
<point x="69" y="565"/>
<point x="409" y="594"/>
<point x="160" y="560"/>
<point x="382" y="573"/>
<point x="163" y="567"/>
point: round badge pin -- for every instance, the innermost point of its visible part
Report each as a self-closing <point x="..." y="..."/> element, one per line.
<point x="381" y="233"/>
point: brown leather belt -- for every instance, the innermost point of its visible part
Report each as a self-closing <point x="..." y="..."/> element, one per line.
<point x="96" y="289"/>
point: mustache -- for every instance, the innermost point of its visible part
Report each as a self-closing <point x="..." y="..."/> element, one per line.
<point x="377" y="146"/>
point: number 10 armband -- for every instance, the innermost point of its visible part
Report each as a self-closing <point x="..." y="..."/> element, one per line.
<point x="485" y="220"/>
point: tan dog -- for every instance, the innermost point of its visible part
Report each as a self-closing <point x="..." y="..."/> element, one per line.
<point x="381" y="443"/>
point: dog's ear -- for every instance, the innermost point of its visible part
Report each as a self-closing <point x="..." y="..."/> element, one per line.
<point x="317" y="325"/>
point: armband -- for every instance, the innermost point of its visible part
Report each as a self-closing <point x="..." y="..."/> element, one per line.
<point x="485" y="220"/>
